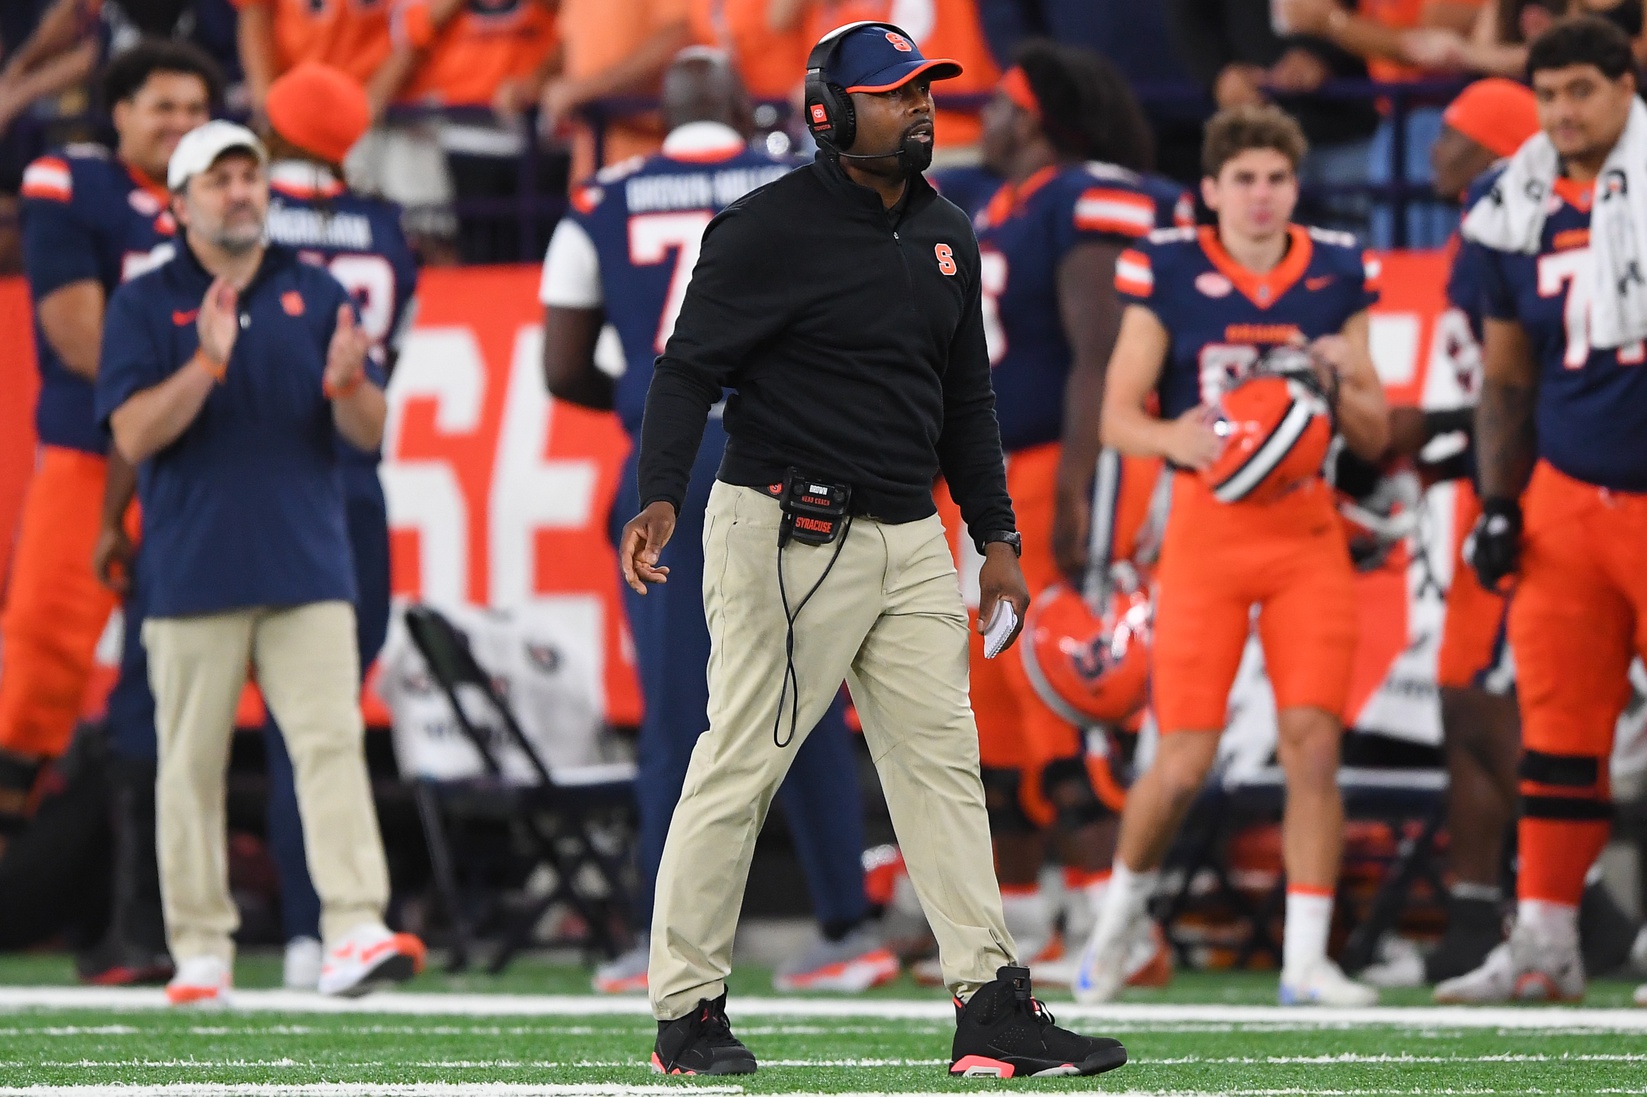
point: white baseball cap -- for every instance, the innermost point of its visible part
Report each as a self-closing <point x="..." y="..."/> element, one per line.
<point x="202" y="145"/>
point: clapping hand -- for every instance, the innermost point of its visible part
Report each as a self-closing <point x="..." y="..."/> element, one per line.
<point x="346" y="357"/>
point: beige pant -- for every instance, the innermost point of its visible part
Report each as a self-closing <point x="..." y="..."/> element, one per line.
<point x="889" y="620"/>
<point x="308" y="669"/>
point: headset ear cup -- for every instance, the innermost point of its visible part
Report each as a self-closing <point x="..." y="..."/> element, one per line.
<point x="844" y="115"/>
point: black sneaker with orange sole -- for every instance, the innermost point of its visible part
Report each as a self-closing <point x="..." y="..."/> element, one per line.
<point x="1003" y="1031"/>
<point x="701" y="1043"/>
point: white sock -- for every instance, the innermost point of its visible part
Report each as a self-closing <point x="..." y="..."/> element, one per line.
<point x="1551" y="921"/>
<point x="1304" y="937"/>
<point x="1028" y="917"/>
<point x="1082" y="908"/>
<point x="1125" y="898"/>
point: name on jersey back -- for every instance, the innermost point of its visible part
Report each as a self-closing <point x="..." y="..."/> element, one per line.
<point x="699" y="189"/>
<point x="296" y="226"/>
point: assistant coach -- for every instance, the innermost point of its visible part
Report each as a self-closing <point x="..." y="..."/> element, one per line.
<point x="841" y="303"/>
<point x="226" y="376"/>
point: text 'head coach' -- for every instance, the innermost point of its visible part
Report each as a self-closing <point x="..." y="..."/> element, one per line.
<point x="841" y="304"/>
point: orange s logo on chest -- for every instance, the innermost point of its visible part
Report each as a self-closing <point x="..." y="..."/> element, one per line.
<point x="292" y="302"/>
<point x="946" y="258"/>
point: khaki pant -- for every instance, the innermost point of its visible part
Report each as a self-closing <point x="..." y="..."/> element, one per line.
<point x="308" y="669"/>
<point x="889" y="620"/>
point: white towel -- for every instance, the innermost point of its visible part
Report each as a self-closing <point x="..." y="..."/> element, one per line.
<point x="1511" y="218"/>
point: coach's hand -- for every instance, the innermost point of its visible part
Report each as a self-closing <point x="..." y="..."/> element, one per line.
<point x="1493" y="548"/>
<point x="112" y="560"/>
<point x="346" y="356"/>
<point x="1191" y="442"/>
<point x="642" y="541"/>
<point x="1001" y="577"/>
<point x="218" y="324"/>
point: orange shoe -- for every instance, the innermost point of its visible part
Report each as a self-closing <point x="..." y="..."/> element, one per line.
<point x="200" y="981"/>
<point x="368" y="958"/>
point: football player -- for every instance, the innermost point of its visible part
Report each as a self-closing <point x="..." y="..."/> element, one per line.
<point x="1070" y="142"/>
<point x="91" y="220"/>
<point x="624" y="256"/>
<point x="1488" y="121"/>
<point x="1209" y="313"/>
<point x="1561" y="434"/>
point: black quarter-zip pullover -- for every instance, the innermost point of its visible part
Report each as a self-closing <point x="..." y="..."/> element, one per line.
<point x="852" y="336"/>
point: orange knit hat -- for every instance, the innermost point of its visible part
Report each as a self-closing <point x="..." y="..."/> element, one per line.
<point x="320" y="109"/>
<point x="1495" y="113"/>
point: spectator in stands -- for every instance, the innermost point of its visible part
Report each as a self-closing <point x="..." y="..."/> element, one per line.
<point x="612" y="47"/>
<point x="766" y="40"/>
<point x="1232" y="47"/>
<point x="60" y="53"/>
<point x="227" y="374"/>
<point x="951" y="29"/>
<point x="275" y="35"/>
<point x="1374" y="30"/>
<point x="1497" y="44"/>
<point x="72" y="36"/>
<point x="483" y="60"/>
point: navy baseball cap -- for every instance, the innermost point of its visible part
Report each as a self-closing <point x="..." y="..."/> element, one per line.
<point x="877" y="58"/>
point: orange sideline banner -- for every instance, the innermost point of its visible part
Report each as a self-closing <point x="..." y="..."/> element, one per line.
<point x="499" y="495"/>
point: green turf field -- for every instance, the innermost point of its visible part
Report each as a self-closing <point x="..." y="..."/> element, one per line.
<point x="532" y="1032"/>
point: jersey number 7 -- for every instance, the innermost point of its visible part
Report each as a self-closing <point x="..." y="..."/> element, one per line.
<point x="652" y="237"/>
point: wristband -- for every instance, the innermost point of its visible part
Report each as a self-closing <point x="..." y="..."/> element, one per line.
<point x="218" y="370"/>
<point x="346" y="389"/>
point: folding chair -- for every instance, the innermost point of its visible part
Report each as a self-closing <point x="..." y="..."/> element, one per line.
<point x="555" y="817"/>
<point x="1396" y="796"/>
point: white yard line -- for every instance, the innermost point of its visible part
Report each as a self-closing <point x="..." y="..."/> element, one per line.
<point x="358" y="1089"/>
<point x="505" y="1089"/>
<point x="553" y="1005"/>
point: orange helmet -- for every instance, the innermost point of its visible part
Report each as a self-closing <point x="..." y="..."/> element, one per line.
<point x="1277" y="428"/>
<point x="1089" y="668"/>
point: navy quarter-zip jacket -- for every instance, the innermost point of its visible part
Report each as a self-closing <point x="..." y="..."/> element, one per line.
<point x="852" y="337"/>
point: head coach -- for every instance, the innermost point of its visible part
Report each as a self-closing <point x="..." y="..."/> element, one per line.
<point x="841" y="304"/>
<point x="225" y="376"/>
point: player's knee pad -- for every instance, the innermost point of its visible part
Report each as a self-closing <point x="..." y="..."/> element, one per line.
<point x="1069" y="787"/>
<point x="1003" y="801"/>
<point x="1564" y="786"/>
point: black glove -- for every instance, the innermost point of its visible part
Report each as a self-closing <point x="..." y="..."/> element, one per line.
<point x="1494" y="546"/>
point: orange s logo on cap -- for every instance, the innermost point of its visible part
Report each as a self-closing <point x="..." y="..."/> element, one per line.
<point x="899" y="42"/>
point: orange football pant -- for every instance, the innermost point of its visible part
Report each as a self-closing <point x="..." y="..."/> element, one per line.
<point x="1218" y="561"/>
<point x="1577" y="617"/>
<point x="55" y="608"/>
<point x="1016" y="730"/>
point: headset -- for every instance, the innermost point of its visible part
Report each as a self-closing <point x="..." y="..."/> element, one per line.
<point x="829" y="112"/>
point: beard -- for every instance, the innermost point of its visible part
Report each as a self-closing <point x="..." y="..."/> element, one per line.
<point x="914" y="157"/>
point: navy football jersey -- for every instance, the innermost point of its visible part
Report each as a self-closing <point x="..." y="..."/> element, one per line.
<point x="644" y="220"/>
<point x="358" y="239"/>
<point x="1591" y="409"/>
<point x="1221" y="318"/>
<point x="1464" y="274"/>
<point x="1024" y="233"/>
<point x="86" y="216"/>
